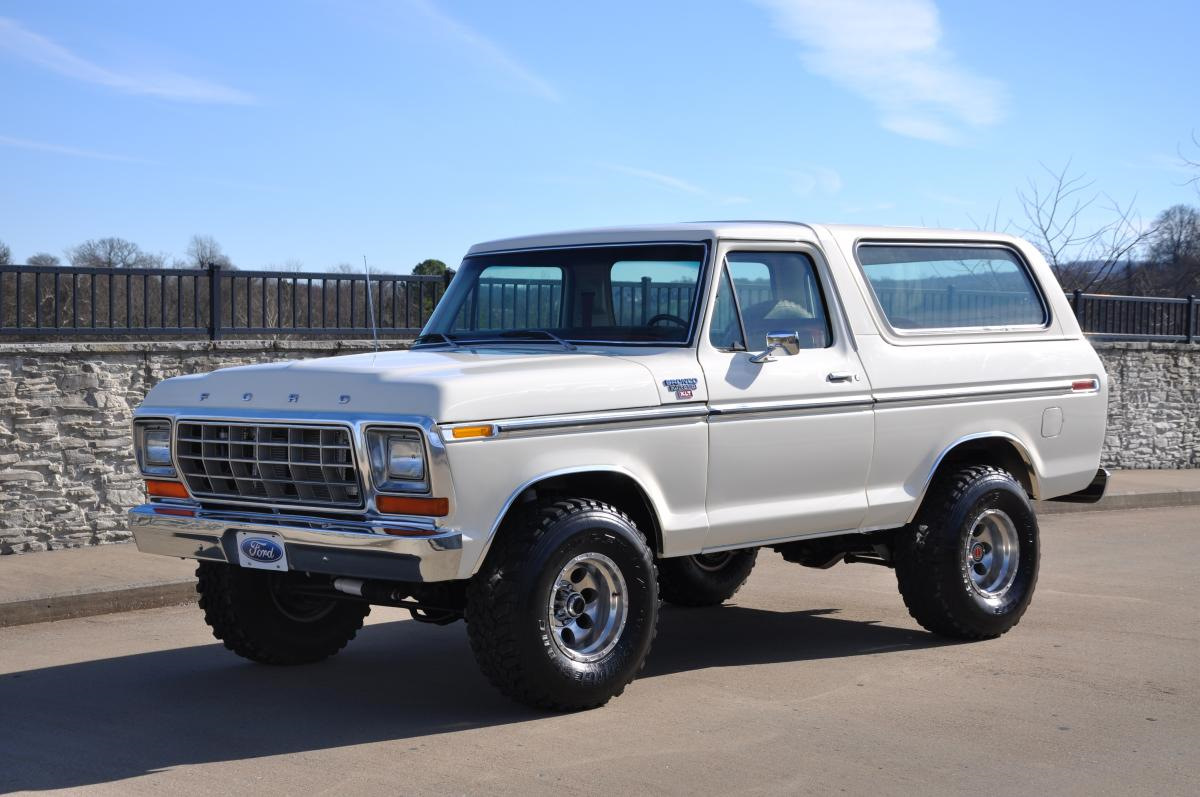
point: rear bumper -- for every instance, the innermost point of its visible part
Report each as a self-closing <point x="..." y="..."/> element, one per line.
<point x="359" y="549"/>
<point x="1090" y="494"/>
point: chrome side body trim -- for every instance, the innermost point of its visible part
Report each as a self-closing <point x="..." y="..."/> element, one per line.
<point x="347" y="548"/>
<point x="511" y="427"/>
<point x="589" y="419"/>
<point x="737" y="411"/>
<point x="983" y="393"/>
<point x="672" y="411"/>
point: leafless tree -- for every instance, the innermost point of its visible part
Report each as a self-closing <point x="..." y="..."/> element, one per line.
<point x="204" y="251"/>
<point x="1192" y="162"/>
<point x="1056" y="211"/>
<point x="5" y="254"/>
<point x="1174" y="251"/>
<point x="43" y="259"/>
<point x="113" y="253"/>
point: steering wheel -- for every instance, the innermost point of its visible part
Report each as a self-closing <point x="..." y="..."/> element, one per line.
<point x="674" y="319"/>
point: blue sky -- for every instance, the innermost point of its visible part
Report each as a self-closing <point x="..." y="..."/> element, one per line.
<point x="317" y="131"/>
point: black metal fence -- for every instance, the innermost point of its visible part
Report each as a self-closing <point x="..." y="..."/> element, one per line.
<point x="37" y="301"/>
<point x="1136" y="317"/>
<point x="42" y="301"/>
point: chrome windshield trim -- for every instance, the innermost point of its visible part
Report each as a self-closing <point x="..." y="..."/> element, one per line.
<point x="699" y="301"/>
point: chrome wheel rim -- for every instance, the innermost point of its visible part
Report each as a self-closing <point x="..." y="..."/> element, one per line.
<point x="712" y="562"/>
<point x="991" y="554"/>
<point x="588" y="607"/>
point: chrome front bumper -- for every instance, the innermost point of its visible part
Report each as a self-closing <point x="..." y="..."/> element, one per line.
<point x="359" y="549"/>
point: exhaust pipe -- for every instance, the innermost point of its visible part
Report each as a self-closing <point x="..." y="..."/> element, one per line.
<point x="371" y="591"/>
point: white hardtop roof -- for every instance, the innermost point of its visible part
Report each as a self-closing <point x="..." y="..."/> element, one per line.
<point x="715" y="230"/>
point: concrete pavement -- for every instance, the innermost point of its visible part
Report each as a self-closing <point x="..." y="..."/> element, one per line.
<point x="80" y="582"/>
<point x="811" y="682"/>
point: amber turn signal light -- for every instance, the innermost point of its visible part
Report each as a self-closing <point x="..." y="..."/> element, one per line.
<point x="397" y="505"/>
<point x="165" y="489"/>
<point x="467" y="432"/>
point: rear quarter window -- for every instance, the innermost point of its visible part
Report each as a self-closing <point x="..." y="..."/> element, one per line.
<point x="921" y="287"/>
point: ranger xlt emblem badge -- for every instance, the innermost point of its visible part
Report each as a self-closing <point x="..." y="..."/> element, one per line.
<point x="682" y="388"/>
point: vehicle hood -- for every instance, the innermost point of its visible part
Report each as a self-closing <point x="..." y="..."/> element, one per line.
<point x="446" y="385"/>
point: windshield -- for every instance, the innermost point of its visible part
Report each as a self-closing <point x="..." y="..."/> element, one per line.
<point x="629" y="294"/>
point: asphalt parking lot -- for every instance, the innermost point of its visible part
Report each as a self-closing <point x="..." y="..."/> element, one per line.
<point x="809" y="682"/>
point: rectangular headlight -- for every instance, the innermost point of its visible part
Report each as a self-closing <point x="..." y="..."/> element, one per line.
<point x="152" y="442"/>
<point x="397" y="460"/>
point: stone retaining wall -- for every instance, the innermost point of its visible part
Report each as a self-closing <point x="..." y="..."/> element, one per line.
<point x="67" y="473"/>
<point x="1153" y="405"/>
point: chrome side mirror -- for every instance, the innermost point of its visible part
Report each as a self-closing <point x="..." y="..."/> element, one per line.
<point x="786" y="342"/>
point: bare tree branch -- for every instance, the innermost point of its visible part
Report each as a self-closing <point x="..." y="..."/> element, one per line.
<point x="1083" y="258"/>
<point x="1188" y="163"/>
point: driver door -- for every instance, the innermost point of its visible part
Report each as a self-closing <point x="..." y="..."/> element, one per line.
<point x="790" y="439"/>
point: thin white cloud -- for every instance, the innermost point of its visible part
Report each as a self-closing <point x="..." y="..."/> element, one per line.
<point x="38" y="50"/>
<point x="662" y="179"/>
<point x="677" y="184"/>
<point x="891" y="53"/>
<point x="74" y="152"/>
<point x="487" y="51"/>
<point x="816" y="180"/>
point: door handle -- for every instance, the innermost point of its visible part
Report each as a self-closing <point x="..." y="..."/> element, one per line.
<point x="841" y="376"/>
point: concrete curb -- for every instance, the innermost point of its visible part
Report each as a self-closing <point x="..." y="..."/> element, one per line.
<point x="174" y="593"/>
<point x="87" y="604"/>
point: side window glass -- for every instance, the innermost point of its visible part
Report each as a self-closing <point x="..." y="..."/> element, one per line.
<point x="777" y="292"/>
<point x="951" y="287"/>
<point x="726" y="329"/>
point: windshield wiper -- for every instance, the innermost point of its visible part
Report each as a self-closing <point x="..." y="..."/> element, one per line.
<point x="422" y="339"/>
<point x="519" y="333"/>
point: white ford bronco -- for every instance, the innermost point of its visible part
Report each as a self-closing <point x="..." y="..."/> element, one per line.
<point x="593" y="422"/>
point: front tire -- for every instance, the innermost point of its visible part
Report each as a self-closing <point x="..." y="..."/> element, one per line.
<point x="259" y="616"/>
<point x="968" y="567"/>
<point x="562" y="614"/>
<point x="705" y="579"/>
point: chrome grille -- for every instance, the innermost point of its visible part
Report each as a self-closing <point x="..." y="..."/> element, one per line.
<point x="269" y="463"/>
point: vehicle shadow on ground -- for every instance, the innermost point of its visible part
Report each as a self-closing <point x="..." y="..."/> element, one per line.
<point x="106" y="720"/>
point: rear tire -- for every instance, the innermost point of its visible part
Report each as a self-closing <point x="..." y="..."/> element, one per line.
<point x="968" y="567"/>
<point x="259" y="618"/>
<point x="562" y="613"/>
<point x="704" y="579"/>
